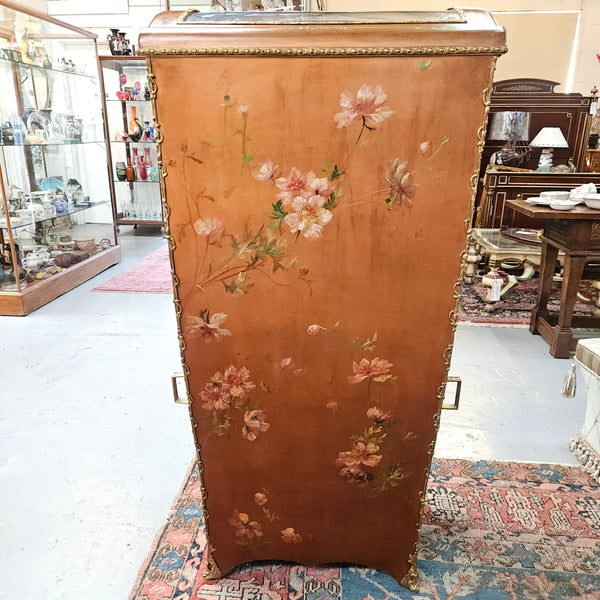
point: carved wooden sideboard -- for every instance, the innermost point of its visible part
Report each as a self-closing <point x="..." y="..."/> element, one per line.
<point x="501" y="185"/>
<point x="310" y="170"/>
<point x="543" y="107"/>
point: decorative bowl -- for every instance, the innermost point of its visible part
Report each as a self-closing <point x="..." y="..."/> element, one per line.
<point x="554" y="196"/>
<point x="592" y="200"/>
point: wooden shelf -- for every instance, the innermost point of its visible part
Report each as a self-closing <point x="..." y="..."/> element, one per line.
<point x="39" y="293"/>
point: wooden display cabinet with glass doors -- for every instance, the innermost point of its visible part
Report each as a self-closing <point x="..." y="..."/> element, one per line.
<point x="56" y="220"/>
<point x="132" y="146"/>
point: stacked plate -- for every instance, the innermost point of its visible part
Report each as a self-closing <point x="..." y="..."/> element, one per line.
<point x="555" y="200"/>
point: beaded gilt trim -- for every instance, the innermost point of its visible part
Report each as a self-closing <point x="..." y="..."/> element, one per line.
<point x="328" y="52"/>
<point x="212" y="570"/>
<point x="410" y="580"/>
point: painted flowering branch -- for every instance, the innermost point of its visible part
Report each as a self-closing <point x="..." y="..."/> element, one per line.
<point x="251" y="252"/>
<point x="249" y="532"/>
<point x="229" y="391"/>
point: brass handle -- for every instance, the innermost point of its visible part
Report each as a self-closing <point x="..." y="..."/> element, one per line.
<point x="452" y="405"/>
<point x="176" y="397"/>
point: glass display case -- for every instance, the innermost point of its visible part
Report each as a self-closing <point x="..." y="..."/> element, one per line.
<point x="56" y="220"/>
<point x="132" y="146"/>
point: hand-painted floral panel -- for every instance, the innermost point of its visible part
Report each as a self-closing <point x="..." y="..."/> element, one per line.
<point x="318" y="210"/>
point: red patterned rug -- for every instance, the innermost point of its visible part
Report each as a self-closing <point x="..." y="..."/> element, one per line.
<point x="491" y="531"/>
<point x="515" y="307"/>
<point x="150" y="275"/>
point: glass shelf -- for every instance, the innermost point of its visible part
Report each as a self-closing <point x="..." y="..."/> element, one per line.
<point x="42" y="68"/>
<point x="136" y="181"/>
<point x="132" y="142"/>
<point x="20" y="222"/>
<point x="125" y="101"/>
<point x="64" y="143"/>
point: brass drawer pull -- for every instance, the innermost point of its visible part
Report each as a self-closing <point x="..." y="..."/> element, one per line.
<point x="174" y="382"/>
<point x="457" y="383"/>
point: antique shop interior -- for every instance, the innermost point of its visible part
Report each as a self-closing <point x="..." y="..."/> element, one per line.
<point x="95" y="435"/>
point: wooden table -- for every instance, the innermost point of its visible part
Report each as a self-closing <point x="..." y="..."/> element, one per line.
<point x="577" y="234"/>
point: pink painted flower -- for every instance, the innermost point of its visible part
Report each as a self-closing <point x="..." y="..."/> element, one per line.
<point x="377" y="369"/>
<point x="245" y="529"/>
<point x="314" y="329"/>
<point x="309" y="216"/>
<point x="367" y="105"/>
<point x="295" y="184"/>
<point x="319" y="186"/>
<point x="402" y="187"/>
<point x="208" y="327"/>
<point x="266" y="171"/>
<point x="214" y="397"/>
<point x="378" y="415"/>
<point x="260" y="498"/>
<point x="178" y="537"/>
<point x="254" y="423"/>
<point x="289" y="536"/>
<point x="235" y="381"/>
<point x="363" y="453"/>
<point x="211" y="227"/>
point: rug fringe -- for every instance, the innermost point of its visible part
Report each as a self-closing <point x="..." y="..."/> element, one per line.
<point x="587" y="456"/>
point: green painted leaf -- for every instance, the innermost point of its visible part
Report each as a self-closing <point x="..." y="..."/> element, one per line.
<point x="332" y="202"/>
<point x="368" y="345"/>
<point x="426" y="64"/>
<point x="336" y="173"/>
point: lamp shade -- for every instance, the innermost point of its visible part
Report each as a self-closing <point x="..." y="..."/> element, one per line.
<point x="510" y="125"/>
<point x="549" y="137"/>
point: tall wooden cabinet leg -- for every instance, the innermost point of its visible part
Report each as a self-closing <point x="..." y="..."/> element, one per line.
<point x="547" y="267"/>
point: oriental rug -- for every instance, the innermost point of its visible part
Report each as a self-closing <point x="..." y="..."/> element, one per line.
<point x="491" y="531"/>
<point x="151" y="275"/>
<point x="515" y="307"/>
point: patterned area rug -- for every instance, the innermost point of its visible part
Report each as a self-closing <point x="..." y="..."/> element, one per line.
<point x="515" y="307"/>
<point x="151" y="275"/>
<point x="491" y="531"/>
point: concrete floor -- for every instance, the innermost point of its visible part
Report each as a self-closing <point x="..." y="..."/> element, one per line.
<point x="93" y="450"/>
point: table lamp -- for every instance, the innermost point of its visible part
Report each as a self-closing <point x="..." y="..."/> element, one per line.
<point x="512" y="127"/>
<point x="548" y="138"/>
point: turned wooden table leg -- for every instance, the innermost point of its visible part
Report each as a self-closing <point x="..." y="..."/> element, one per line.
<point x="547" y="267"/>
<point x="563" y="340"/>
<point x="473" y="258"/>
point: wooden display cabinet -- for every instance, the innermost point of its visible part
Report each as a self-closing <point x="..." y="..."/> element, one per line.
<point x="56" y="221"/>
<point x="130" y="132"/>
